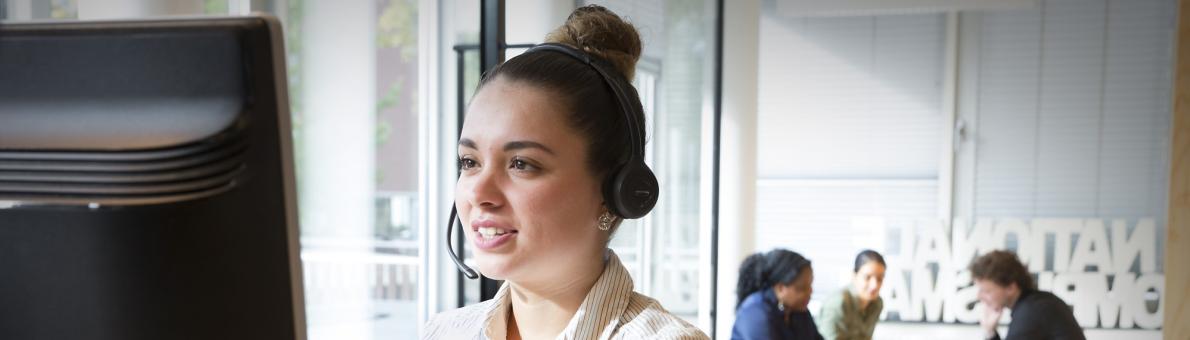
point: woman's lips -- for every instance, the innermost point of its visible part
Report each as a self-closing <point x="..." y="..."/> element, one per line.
<point x="489" y="235"/>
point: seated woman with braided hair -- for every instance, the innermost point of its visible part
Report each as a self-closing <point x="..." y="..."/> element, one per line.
<point x="542" y="157"/>
<point x="774" y="292"/>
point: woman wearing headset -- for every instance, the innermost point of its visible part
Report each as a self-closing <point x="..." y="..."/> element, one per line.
<point x="549" y="165"/>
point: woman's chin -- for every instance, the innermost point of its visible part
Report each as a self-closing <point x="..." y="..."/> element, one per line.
<point x="494" y="266"/>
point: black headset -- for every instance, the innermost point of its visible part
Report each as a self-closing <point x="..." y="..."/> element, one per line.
<point x="629" y="191"/>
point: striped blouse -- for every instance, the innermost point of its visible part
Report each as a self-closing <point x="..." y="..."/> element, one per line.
<point x="611" y="310"/>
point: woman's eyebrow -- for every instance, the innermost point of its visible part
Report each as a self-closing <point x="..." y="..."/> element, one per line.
<point x="467" y="143"/>
<point x="510" y="146"/>
<point x="524" y="144"/>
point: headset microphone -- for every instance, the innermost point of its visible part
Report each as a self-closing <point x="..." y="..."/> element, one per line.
<point x="467" y="271"/>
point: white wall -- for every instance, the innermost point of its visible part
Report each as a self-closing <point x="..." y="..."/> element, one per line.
<point x="849" y="134"/>
<point x="1064" y="108"/>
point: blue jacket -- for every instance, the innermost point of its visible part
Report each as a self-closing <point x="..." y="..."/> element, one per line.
<point x="759" y="319"/>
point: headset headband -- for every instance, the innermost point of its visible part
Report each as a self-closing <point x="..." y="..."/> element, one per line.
<point x="615" y="82"/>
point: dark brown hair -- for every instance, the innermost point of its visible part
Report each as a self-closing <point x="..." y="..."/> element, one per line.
<point x="866" y="256"/>
<point x="1003" y="268"/>
<point x="591" y="107"/>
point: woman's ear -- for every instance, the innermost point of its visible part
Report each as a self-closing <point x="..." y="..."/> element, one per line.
<point x="782" y="289"/>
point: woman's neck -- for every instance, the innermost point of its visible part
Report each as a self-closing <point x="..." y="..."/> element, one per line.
<point x="859" y="300"/>
<point x="550" y="304"/>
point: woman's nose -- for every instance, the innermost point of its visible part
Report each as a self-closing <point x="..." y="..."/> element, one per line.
<point x="484" y="188"/>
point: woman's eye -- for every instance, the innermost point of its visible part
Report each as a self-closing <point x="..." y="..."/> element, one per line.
<point x="522" y="165"/>
<point x="466" y="163"/>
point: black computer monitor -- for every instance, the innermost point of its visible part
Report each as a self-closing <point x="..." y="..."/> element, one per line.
<point x="146" y="181"/>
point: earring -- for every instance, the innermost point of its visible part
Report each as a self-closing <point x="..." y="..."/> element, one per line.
<point x="605" y="221"/>
<point x="780" y="305"/>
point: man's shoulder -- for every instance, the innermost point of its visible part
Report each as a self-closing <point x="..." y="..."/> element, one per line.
<point x="1042" y="309"/>
<point x="1043" y="314"/>
<point x="1041" y="300"/>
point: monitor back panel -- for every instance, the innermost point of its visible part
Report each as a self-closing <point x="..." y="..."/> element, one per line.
<point x="146" y="190"/>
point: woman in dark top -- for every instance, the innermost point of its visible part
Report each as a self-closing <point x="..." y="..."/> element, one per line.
<point x="774" y="290"/>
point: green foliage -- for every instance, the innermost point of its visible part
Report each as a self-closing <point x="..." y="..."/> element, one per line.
<point x="294" y="15"/>
<point x="294" y="11"/>
<point x="397" y="28"/>
<point x="64" y="9"/>
<point x="390" y="97"/>
<point x="214" y="7"/>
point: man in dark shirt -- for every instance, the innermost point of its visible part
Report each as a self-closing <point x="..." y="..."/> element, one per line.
<point x="1005" y="283"/>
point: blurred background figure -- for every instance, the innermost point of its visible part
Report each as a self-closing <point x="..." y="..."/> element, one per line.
<point x="1004" y="282"/>
<point x="852" y="312"/>
<point x="773" y="294"/>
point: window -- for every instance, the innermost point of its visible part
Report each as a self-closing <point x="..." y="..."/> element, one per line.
<point x="38" y="10"/>
<point x="354" y="89"/>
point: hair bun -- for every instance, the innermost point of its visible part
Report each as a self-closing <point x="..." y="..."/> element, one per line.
<point x="600" y="32"/>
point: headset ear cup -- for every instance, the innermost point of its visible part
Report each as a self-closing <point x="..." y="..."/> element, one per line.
<point x="632" y="190"/>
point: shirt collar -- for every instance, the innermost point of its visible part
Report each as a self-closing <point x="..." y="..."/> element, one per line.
<point x="496" y="322"/>
<point x="597" y="317"/>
